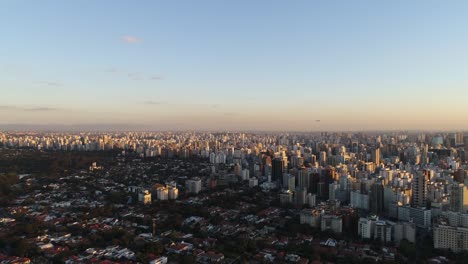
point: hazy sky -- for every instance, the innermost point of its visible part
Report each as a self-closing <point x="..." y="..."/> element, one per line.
<point x="236" y="64"/>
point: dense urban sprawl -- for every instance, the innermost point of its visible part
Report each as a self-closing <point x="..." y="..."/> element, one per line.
<point x="193" y="197"/>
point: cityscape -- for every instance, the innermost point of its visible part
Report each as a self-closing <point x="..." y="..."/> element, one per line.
<point x="233" y="132"/>
<point x="200" y="197"/>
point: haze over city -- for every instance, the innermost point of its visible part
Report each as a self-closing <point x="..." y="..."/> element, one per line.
<point x="235" y="65"/>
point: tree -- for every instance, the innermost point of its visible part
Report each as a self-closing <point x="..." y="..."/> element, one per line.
<point x="407" y="249"/>
<point x="20" y="247"/>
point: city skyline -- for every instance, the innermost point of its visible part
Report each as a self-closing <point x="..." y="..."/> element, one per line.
<point x="267" y="65"/>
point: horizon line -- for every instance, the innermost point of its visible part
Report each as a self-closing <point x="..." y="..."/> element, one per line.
<point x="145" y="128"/>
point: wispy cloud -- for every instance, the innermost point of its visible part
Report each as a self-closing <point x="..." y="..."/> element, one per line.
<point x="156" y="77"/>
<point x="131" y="39"/>
<point x="134" y="75"/>
<point x="41" y="109"/>
<point x="29" y="108"/>
<point x="7" y="107"/>
<point x="51" y="83"/>
<point x="155" y="102"/>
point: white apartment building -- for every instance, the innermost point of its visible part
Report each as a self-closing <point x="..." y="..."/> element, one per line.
<point x="193" y="185"/>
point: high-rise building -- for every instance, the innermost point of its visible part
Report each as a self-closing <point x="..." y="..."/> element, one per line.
<point x="297" y="161"/>
<point x="277" y="169"/>
<point x="366" y="227"/>
<point x="303" y="179"/>
<point x="459" y="176"/>
<point x="323" y="158"/>
<point x="377" y="197"/>
<point x="300" y="197"/>
<point x="359" y="200"/>
<point x="459" y="139"/>
<point x="333" y="189"/>
<point x="311" y="200"/>
<point x="291" y="182"/>
<point x="458" y="198"/>
<point x="418" y="187"/>
<point x="376" y="156"/>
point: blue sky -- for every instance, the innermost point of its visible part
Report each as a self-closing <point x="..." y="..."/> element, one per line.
<point x="236" y="64"/>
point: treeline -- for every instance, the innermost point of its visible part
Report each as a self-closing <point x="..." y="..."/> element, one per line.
<point x="50" y="163"/>
<point x="6" y="180"/>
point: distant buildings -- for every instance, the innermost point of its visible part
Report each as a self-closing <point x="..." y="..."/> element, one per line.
<point x="410" y="183"/>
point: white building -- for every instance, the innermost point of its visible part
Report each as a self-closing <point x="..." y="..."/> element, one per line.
<point x="448" y="237"/>
<point x="332" y="222"/>
<point x="366" y="227"/>
<point x="253" y="182"/>
<point x="162" y="193"/>
<point x="193" y="185"/>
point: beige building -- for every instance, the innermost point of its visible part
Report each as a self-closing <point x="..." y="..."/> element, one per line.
<point x="459" y="198"/>
<point x="144" y="197"/>
<point x="310" y="217"/>
<point x="162" y="193"/>
<point x="173" y="192"/>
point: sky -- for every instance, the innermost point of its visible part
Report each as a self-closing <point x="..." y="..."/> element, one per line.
<point x="235" y="65"/>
